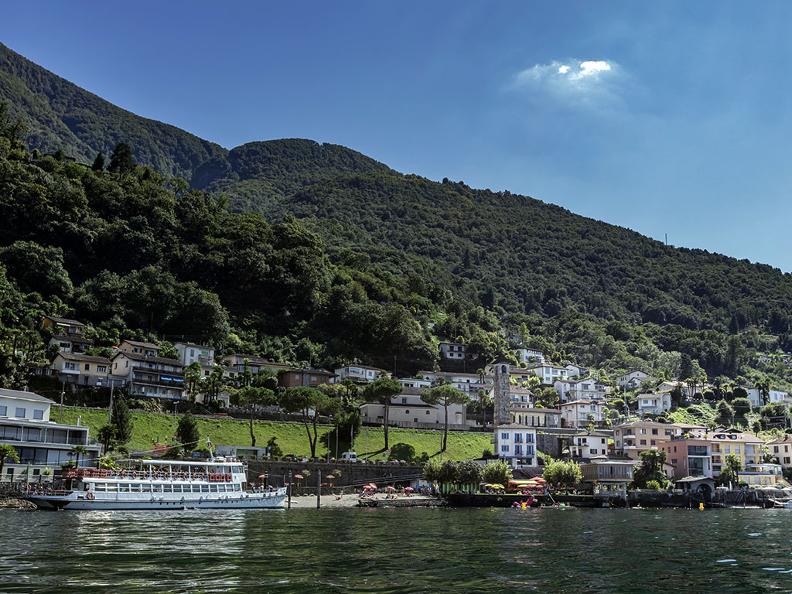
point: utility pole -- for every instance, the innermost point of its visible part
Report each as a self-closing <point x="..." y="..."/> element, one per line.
<point x="288" y="490"/>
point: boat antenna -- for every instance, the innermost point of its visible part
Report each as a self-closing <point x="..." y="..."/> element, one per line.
<point x="209" y="447"/>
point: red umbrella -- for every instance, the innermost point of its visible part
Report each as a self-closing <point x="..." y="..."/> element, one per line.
<point x="391" y="489"/>
<point x="408" y="489"/>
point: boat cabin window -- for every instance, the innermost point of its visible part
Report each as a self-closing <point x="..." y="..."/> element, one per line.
<point x="100" y="487"/>
<point x="168" y="488"/>
<point x="237" y="487"/>
<point x="123" y="487"/>
<point x="205" y="488"/>
<point x="112" y="487"/>
<point x="156" y="488"/>
<point x="196" y="488"/>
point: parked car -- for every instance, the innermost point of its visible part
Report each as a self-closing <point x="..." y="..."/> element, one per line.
<point x="349" y="457"/>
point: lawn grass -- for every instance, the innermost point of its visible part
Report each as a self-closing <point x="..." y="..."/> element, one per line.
<point x="149" y="428"/>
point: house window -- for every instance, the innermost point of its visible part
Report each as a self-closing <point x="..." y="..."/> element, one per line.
<point x="3" y="411"/>
<point x="20" y="413"/>
<point x="504" y="448"/>
<point x="407" y="412"/>
<point x="504" y="436"/>
<point x="404" y="401"/>
<point x="518" y="450"/>
<point x="87" y="367"/>
<point x="427" y="412"/>
<point x="101" y="369"/>
<point x="38" y="414"/>
<point x="593" y="451"/>
<point x="70" y="366"/>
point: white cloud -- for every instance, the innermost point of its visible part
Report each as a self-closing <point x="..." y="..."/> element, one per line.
<point x="574" y="80"/>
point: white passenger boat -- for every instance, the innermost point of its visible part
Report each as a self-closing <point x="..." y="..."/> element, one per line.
<point x="219" y="483"/>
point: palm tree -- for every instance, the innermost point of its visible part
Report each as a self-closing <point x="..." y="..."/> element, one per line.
<point x="7" y="452"/>
<point x="77" y="451"/>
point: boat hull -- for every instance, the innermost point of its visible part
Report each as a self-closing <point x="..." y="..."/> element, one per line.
<point x="44" y="502"/>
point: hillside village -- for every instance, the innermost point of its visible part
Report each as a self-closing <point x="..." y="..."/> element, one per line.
<point x="536" y="410"/>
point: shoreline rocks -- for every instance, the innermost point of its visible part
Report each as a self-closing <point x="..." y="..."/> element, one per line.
<point x="16" y="503"/>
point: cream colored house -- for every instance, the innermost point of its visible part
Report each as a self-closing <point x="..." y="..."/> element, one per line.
<point x="83" y="370"/>
<point x="580" y="413"/>
<point x="635" y="437"/>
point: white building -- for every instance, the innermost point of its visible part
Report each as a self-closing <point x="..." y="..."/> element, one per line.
<point x="654" y="404"/>
<point x="408" y="410"/>
<point x="632" y="380"/>
<point x="580" y="413"/>
<point x="42" y="445"/>
<point x="575" y="370"/>
<point x="138" y="347"/>
<point x="83" y="370"/>
<point x="469" y="383"/>
<point x="585" y="445"/>
<point x="547" y="372"/>
<point x="188" y="353"/>
<point x="584" y="389"/>
<point x="414" y="382"/>
<point x="152" y="376"/>
<point x="529" y="356"/>
<point x="755" y="397"/>
<point x="516" y="444"/>
<point x="358" y="373"/>
<point x="452" y="350"/>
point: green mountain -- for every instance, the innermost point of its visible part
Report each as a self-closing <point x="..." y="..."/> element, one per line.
<point x="477" y="265"/>
<point x="62" y="116"/>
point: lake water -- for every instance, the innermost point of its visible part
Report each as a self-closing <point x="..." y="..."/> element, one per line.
<point x="398" y="550"/>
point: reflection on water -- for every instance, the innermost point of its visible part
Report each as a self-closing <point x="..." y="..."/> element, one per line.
<point x="407" y="550"/>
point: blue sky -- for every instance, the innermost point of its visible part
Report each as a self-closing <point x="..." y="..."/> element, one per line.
<point x="666" y="117"/>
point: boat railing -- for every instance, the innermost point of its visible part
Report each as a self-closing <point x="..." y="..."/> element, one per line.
<point x="106" y="473"/>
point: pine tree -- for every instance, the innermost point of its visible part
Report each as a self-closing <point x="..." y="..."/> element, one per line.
<point x="121" y="160"/>
<point x="99" y="162"/>
<point x="121" y="421"/>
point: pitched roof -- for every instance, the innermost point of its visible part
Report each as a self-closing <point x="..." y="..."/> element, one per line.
<point x="85" y="358"/>
<point x="142" y="357"/>
<point x="68" y="321"/>
<point x="139" y="343"/>
<point x="786" y="439"/>
<point x="23" y="395"/>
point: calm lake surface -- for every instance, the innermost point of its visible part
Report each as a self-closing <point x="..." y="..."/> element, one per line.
<point x="397" y="550"/>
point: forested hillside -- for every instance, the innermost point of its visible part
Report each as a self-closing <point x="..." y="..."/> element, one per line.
<point x="341" y="230"/>
<point x="61" y="116"/>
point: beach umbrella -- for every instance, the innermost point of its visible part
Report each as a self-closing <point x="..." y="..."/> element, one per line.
<point x="373" y="485"/>
<point x="408" y="489"/>
<point x="391" y="489"/>
<point x="298" y="476"/>
<point x="330" y="476"/>
<point x="262" y="476"/>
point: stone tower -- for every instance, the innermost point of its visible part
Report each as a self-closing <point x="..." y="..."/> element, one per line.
<point x="502" y="393"/>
